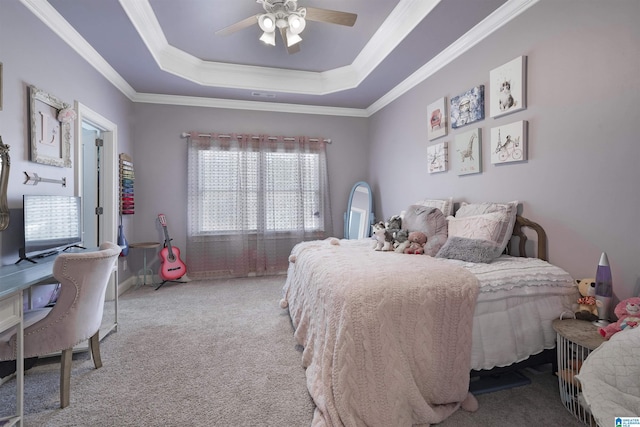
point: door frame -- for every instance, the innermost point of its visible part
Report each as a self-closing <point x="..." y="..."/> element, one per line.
<point x="108" y="230"/>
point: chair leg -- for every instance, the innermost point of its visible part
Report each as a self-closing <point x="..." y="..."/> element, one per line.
<point x="94" y="345"/>
<point x="65" y="376"/>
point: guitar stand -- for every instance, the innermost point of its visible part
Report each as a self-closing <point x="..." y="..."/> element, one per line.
<point x="166" y="281"/>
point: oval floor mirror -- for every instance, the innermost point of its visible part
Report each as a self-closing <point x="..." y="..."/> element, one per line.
<point x="359" y="215"/>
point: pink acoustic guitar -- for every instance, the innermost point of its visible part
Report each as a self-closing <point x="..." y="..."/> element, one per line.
<point x="172" y="267"/>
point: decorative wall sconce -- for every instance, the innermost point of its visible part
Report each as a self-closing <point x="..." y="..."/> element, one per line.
<point x="5" y="164"/>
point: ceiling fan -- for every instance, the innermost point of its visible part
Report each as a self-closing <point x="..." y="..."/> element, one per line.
<point x="290" y="20"/>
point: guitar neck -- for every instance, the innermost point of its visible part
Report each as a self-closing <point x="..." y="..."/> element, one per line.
<point x="166" y="234"/>
<point x="167" y="239"/>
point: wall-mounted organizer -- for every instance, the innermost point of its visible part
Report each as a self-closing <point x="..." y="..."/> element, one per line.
<point x="127" y="205"/>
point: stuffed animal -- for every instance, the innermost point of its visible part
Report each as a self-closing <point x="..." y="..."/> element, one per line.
<point x="384" y="239"/>
<point x="394" y="224"/>
<point x="587" y="309"/>
<point x="569" y="373"/>
<point x="628" y="313"/>
<point x="401" y="241"/>
<point x="417" y="240"/>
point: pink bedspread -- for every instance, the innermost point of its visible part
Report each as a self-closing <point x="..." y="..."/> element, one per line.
<point x="386" y="336"/>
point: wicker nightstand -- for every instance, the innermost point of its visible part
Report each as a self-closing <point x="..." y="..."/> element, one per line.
<point x="575" y="340"/>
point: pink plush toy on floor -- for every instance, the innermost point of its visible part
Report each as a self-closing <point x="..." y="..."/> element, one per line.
<point x="628" y="312"/>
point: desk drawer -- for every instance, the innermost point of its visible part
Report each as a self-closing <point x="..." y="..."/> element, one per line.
<point x="10" y="311"/>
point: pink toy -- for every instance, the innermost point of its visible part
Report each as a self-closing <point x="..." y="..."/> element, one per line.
<point x="628" y="312"/>
<point x="417" y="239"/>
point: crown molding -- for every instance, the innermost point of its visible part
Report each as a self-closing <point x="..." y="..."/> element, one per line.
<point x="331" y="82"/>
<point x="193" y="101"/>
<point x="500" y="17"/>
<point x="405" y="16"/>
<point x="47" y="14"/>
<point x="400" y="22"/>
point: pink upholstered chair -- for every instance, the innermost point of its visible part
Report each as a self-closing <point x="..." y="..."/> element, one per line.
<point x="76" y="316"/>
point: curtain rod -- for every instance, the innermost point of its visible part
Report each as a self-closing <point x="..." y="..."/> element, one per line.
<point x="271" y="138"/>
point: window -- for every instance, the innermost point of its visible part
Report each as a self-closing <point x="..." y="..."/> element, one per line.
<point x="266" y="191"/>
<point x="251" y="199"/>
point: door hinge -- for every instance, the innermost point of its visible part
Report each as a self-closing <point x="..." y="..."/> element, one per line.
<point x="99" y="210"/>
<point x="99" y="142"/>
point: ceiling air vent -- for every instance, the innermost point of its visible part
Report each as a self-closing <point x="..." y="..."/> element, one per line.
<point x="263" y="95"/>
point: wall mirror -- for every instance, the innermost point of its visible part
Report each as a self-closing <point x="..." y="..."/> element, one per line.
<point x="359" y="215"/>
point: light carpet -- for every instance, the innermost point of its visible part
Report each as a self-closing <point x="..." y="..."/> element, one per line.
<point x="219" y="353"/>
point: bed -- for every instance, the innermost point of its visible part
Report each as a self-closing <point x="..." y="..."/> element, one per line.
<point x="390" y="339"/>
<point x="609" y="378"/>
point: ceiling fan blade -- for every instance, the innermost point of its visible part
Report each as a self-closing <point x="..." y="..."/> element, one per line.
<point x="331" y="16"/>
<point x="238" y="26"/>
<point x="291" y="49"/>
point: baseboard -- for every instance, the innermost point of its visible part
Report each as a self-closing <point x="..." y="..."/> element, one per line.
<point x="127" y="284"/>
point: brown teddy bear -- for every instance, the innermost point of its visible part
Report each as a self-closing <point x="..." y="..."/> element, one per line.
<point x="587" y="309"/>
<point x="417" y="240"/>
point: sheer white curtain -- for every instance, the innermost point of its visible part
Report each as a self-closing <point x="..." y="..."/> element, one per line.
<point x="251" y="199"/>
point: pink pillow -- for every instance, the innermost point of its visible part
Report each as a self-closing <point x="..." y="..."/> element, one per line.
<point x="509" y="209"/>
<point x="483" y="227"/>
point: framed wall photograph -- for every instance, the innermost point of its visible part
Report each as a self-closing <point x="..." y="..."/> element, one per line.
<point x="50" y="139"/>
<point x="468" y="107"/>
<point x="508" y="87"/>
<point x="509" y="143"/>
<point x="438" y="157"/>
<point x="437" y="114"/>
<point x="467" y="152"/>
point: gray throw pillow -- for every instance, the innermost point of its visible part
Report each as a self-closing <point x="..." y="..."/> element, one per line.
<point x="470" y="250"/>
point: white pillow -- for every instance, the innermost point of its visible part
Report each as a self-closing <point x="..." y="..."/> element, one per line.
<point x="510" y="210"/>
<point x="483" y="227"/>
<point x="445" y="205"/>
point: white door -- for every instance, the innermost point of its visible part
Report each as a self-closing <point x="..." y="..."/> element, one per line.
<point x="90" y="185"/>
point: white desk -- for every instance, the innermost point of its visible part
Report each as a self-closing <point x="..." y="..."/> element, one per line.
<point x="14" y="279"/>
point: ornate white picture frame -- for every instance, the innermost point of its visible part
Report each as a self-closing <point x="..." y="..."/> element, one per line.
<point x="49" y="137"/>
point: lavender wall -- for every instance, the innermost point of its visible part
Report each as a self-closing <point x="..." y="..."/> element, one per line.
<point x="581" y="179"/>
<point x="33" y="55"/>
<point x="160" y="157"/>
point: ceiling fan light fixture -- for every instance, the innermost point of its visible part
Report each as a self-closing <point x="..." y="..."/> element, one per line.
<point x="292" y="38"/>
<point x="268" y="38"/>
<point x="296" y="23"/>
<point x="281" y="22"/>
<point x="290" y="20"/>
<point x="267" y="22"/>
